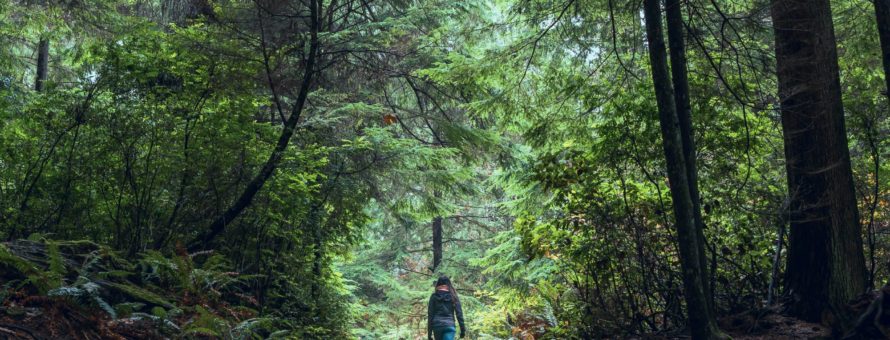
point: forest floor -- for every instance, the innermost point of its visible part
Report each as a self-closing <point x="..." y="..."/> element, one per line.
<point x="768" y="324"/>
<point x="39" y="317"/>
<point x="26" y="315"/>
<point x="47" y="318"/>
<point x="870" y="320"/>
<point x="46" y="294"/>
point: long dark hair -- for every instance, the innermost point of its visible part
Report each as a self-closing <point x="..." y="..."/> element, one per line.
<point x="445" y="281"/>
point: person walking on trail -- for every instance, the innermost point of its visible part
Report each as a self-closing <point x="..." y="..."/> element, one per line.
<point x="443" y="307"/>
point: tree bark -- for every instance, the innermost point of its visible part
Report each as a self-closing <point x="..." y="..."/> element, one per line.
<point x="701" y="320"/>
<point x="882" y="14"/>
<point x="826" y="265"/>
<point x="684" y="116"/>
<point x="42" y="64"/>
<point x="246" y="197"/>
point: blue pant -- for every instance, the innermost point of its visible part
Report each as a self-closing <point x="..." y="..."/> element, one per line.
<point x="444" y="333"/>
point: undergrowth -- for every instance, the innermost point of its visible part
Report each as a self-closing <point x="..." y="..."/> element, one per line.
<point x="156" y="295"/>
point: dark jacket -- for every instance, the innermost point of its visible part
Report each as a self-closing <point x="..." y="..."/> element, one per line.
<point x="441" y="311"/>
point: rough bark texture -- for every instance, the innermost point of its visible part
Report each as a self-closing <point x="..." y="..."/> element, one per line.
<point x="882" y="14"/>
<point x="826" y="265"/>
<point x="246" y="197"/>
<point x="701" y="319"/>
<point x="437" y="242"/>
<point x="42" y="64"/>
<point x="684" y="116"/>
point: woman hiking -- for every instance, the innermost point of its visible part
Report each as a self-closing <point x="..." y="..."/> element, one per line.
<point x="443" y="307"/>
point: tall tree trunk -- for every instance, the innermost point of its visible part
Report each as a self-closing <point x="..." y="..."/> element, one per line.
<point x="42" y="64"/>
<point x="437" y="243"/>
<point x="246" y="197"/>
<point x="701" y="320"/>
<point x="882" y="14"/>
<point x="684" y="116"/>
<point x="826" y="265"/>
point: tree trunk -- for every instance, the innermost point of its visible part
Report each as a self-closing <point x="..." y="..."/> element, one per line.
<point x="684" y="116"/>
<point x="826" y="265"/>
<point x="701" y="320"/>
<point x="437" y="243"/>
<point x="246" y="197"/>
<point x="882" y="14"/>
<point x="42" y="64"/>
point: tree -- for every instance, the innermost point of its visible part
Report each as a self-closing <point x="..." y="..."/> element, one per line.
<point x="882" y="14"/>
<point x="42" y="64"/>
<point x="684" y="116"/>
<point x="826" y="265"/>
<point x="701" y="319"/>
<point x="246" y="197"/>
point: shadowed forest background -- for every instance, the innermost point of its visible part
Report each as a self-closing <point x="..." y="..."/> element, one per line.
<point x="580" y="169"/>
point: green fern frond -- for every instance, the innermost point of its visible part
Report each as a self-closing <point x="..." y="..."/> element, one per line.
<point x="56" y="272"/>
<point x="140" y="294"/>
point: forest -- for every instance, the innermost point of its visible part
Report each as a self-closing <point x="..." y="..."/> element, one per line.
<point x="308" y="169"/>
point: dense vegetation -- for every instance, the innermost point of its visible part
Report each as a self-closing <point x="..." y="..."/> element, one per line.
<point x="307" y="168"/>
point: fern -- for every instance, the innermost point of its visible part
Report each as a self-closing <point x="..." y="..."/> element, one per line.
<point x="91" y="262"/>
<point x="84" y="291"/>
<point x="206" y="323"/>
<point x="140" y="294"/>
<point x="56" y="272"/>
<point x="32" y="273"/>
<point x="163" y="322"/>
<point x="5" y="292"/>
<point x="93" y="290"/>
<point x="282" y="334"/>
<point x="155" y="267"/>
<point x="68" y="291"/>
<point x="247" y="329"/>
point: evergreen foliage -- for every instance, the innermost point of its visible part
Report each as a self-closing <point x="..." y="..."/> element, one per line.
<point x="272" y="169"/>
